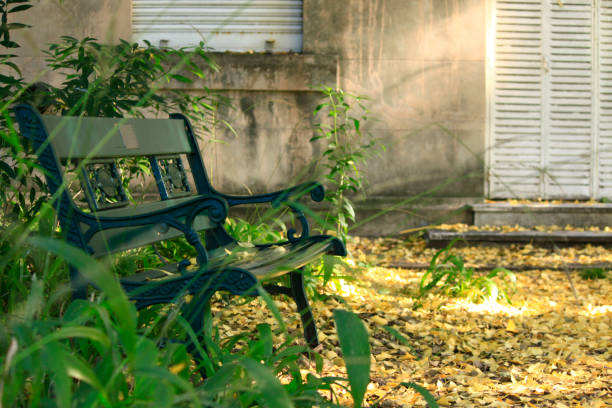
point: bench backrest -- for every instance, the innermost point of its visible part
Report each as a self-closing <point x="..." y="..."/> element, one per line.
<point x="109" y="138"/>
<point x="94" y="145"/>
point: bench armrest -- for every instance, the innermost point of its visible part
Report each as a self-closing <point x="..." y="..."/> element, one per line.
<point x="143" y="213"/>
<point x="315" y="189"/>
<point x="178" y="216"/>
<point x="287" y="197"/>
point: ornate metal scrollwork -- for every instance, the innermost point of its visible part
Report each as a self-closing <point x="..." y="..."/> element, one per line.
<point x="174" y="176"/>
<point x="235" y="281"/>
<point x="292" y="233"/>
<point x="104" y="184"/>
<point x="317" y="193"/>
<point x="216" y="210"/>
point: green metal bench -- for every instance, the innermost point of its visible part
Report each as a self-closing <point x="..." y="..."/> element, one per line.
<point x="111" y="223"/>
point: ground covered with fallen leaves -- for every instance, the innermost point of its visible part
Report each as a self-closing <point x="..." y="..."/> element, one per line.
<point x="552" y="347"/>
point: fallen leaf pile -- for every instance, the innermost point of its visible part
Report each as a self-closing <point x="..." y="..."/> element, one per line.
<point x="541" y="201"/>
<point x="413" y="252"/>
<point x="513" y="228"/>
<point x="552" y="347"/>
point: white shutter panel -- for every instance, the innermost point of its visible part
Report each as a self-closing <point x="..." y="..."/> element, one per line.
<point x="569" y="134"/>
<point x="605" y="99"/>
<point x="545" y="140"/>
<point x="224" y="25"/>
<point x="515" y="112"/>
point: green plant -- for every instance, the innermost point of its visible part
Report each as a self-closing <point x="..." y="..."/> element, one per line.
<point x="356" y="352"/>
<point x="448" y="274"/>
<point x="115" y="80"/>
<point x="261" y="232"/>
<point x="593" y="273"/>
<point x="11" y="81"/>
<point x="99" y="353"/>
<point x="346" y="149"/>
<point x="18" y="193"/>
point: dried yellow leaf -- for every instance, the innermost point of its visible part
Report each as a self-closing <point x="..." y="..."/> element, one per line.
<point x="511" y="326"/>
<point x="379" y="320"/>
<point x="177" y="368"/>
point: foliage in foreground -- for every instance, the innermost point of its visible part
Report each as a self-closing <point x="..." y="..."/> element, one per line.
<point x="98" y="353"/>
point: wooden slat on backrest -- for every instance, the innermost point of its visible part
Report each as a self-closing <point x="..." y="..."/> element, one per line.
<point x="82" y="137"/>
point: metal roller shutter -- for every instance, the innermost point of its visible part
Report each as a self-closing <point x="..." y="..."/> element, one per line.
<point x="224" y="25"/>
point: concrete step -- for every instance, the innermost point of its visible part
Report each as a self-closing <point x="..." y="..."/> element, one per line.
<point x="517" y="268"/>
<point x="439" y="238"/>
<point x="531" y="215"/>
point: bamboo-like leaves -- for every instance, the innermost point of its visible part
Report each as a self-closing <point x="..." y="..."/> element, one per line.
<point x="271" y="392"/>
<point x="355" y="347"/>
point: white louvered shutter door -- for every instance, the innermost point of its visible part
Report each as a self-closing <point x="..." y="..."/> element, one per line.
<point x="567" y="151"/>
<point x="516" y="108"/>
<point x="605" y="99"/>
<point x="568" y="136"/>
<point x="224" y="25"/>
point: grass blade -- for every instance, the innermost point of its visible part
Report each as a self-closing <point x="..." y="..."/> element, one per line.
<point x="271" y="394"/>
<point x="431" y="401"/>
<point x="355" y="347"/>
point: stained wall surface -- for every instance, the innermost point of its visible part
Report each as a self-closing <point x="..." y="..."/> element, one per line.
<point x="421" y="62"/>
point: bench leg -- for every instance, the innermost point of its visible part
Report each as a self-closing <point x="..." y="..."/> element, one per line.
<point x="299" y="296"/>
<point x="199" y="315"/>
<point x="77" y="284"/>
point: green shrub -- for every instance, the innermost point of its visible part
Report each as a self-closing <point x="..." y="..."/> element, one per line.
<point x="593" y="273"/>
<point x="99" y="352"/>
<point x="124" y="79"/>
<point x="260" y="232"/>
<point x="344" y="116"/>
<point x="447" y="274"/>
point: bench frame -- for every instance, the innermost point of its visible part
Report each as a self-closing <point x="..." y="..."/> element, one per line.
<point x="110" y="212"/>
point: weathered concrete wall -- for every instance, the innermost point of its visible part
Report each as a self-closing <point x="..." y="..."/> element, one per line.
<point x="422" y="63"/>
<point x="272" y="115"/>
<point x="246" y="162"/>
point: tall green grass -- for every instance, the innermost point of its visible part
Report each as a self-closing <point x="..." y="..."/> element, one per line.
<point x="57" y="352"/>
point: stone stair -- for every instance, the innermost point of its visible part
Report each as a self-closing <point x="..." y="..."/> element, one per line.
<point x="530" y="215"/>
<point x="439" y="238"/>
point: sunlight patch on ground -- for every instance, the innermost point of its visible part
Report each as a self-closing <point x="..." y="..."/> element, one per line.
<point x="598" y="310"/>
<point x="345" y="289"/>
<point x="391" y="277"/>
<point x="487" y="307"/>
